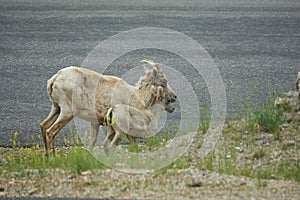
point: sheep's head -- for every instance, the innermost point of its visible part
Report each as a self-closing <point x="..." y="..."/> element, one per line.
<point x="164" y="99"/>
<point x="156" y="79"/>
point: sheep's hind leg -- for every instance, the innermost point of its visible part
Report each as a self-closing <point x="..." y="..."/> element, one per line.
<point x="62" y="120"/>
<point x="44" y="125"/>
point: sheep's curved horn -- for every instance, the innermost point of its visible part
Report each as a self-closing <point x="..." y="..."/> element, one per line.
<point x="151" y="62"/>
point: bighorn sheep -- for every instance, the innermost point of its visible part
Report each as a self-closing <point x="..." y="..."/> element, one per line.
<point x="88" y="95"/>
<point x="137" y="123"/>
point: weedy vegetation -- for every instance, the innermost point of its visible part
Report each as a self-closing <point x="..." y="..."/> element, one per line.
<point x="262" y="144"/>
<point x="73" y="156"/>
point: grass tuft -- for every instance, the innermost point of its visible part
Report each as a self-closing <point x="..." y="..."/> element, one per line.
<point x="270" y="119"/>
<point x="74" y="158"/>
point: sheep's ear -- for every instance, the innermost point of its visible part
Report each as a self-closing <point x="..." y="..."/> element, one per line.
<point x="155" y="73"/>
<point x="146" y="70"/>
<point x="157" y="66"/>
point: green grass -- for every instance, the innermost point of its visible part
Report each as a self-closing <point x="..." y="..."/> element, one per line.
<point x="204" y="119"/>
<point x="134" y="148"/>
<point x="285" y="170"/>
<point x="74" y="158"/>
<point x="290" y="170"/>
<point x="269" y="119"/>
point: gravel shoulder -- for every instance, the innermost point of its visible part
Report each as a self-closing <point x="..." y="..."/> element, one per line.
<point x="193" y="182"/>
<point x="172" y="184"/>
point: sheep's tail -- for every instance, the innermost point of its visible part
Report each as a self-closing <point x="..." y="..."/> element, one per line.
<point x="50" y="83"/>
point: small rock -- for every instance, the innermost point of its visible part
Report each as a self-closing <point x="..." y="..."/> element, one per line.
<point x="239" y="149"/>
<point x="285" y="125"/>
<point x="32" y="191"/>
<point x="2" y="189"/>
<point x="273" y="177"/>
<point x="298" y="82"/>
<point x="260" y="137"/>
<point x="194" y="183"/>
<point x="291" y="142"/>
<point x="72" y="176"/>
<point x="86" y="173"/>
<point x="243" y="183"/>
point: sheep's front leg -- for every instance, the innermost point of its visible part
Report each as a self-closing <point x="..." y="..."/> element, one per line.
<point x="109" y="136"/>
<point x="116" y="139"/>
<point x="94" y="133"/>
<point x="130" y="138"/>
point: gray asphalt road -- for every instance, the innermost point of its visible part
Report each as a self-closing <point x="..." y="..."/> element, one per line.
<point x="255" y="45"/>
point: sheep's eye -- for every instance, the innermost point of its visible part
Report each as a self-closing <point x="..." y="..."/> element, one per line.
<point x="168" y="100"/>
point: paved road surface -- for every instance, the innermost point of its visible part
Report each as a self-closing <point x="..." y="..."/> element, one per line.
<point x="255" y="45"/>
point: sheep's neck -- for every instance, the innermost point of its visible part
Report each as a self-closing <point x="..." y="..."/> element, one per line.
<point x="146" y="96"/>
